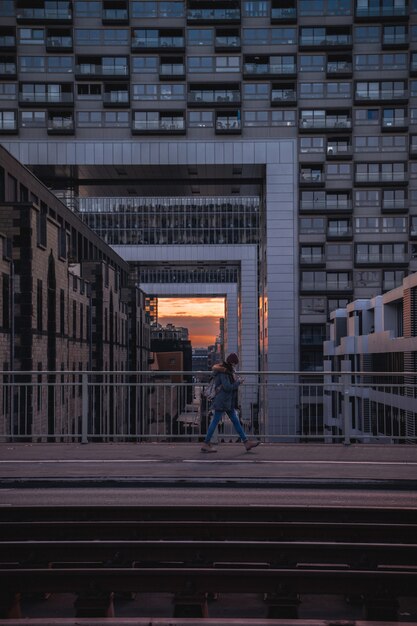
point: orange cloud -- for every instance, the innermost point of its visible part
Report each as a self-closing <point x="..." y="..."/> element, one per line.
<point x="192" y="307"/>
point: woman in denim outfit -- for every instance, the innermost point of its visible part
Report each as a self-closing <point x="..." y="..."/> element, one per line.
<point x="225" y="400"/>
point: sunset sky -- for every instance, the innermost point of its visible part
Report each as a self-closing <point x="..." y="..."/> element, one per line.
<point x="199" y="315"/>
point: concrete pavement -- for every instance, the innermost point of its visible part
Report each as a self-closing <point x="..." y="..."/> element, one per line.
<point x="183" y="465"/>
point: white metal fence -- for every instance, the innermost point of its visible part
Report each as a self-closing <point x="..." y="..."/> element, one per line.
<point x="167" y="406"/>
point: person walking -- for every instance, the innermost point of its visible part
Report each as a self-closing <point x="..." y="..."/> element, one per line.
<point x="225" y="401"/>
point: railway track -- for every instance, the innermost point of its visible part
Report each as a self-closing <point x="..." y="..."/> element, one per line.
<point x="189" y="552"/>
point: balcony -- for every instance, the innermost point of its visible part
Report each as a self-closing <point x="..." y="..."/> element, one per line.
<point x="326" y="286"/>
<point x="339" y="232"/>
<point x="396" y="40"/>
<point x="45" y="98"/>
<point x="274" y="70"/>
<point x="60" y="126"/>
<point x="211" y="15"/>
<point x="58" y="43"/>
<point x="7" y="42"/>
<point x="336" y="69"/>
<point x="381" y="178"/>
<point x="313" y="124"/>
<point x="339" y="151"/>
<point x="8" y="69"/>
<point x="326" y="206"/>
<point x="86" y="71"/>
<point x="171" y="71"/>
<point x="312" y="178"/>
<point x="381" y="96"/>
<point x="166" y="43"/>
<point x="381" y="258"/>
<point x="328" y="41"/>
<point x="381" y="13"/>
<point x="283" y="15"/>
<point x="116" y="98"/>
<point x="283" y="97"/>
<point x="60" y="15"/>
<point x="213" y="97"/>
<point x="228" y="124"/>
<point x="313" y="260"/>
<point x="159" y="127"/>
<point x="394" y="124"/>
<point x="394" y="205"/>
<point x="8" y="123"/>
<point x="115" y="13"/>
<point x="226" y="41"/>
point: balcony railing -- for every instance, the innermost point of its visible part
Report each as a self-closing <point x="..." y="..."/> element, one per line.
<point x="283" y="96"/>
<point x="176" y="70"/>
<point x="59" y="43"/>
<point x="158" y="125"/>
<point x="60" y="126"/>
<point x="285" y="14"/>
<point x="381" y="11"/>
<point x="322" y="123"/>
<point x="90" y="69"/>
<point x="154" y="406"/>
<point x="270" y="69"/>
<point x="60" y="15"/>
<point x="383" y="94"/>
<point x="213" y="15"/>
<point x="115" y="15"/>
<point x="175" y="43"/>
<point x="214" y="97"/>
<point x="116" y="98"/>
<point x="224" y="42"/>
<point x="335" y="68"/>
<point x="381" y="177"/>
<point x="46" y="98"/>
<point x="7" y="42"/>
<point x="325" y="205"/>
<point x="333" y="41"/>
<point x="381" y="258"/>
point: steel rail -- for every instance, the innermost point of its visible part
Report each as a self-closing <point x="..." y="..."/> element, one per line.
<point x="209" y="513"/>
<point x="209" y="580"/>
<point x="214" y="553"/>
<point x="203" y="530"/>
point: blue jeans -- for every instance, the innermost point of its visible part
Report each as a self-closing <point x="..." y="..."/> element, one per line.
<point x="233" y="418"/>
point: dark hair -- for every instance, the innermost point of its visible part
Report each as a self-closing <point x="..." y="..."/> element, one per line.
<point x="232" y="359"/>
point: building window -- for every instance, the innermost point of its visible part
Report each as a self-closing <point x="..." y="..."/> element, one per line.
<point x="39" y="306"/>
<point x="87" y="8"/>
<point x="145" y="65"/>
<point x="256" y="91"/>
<point x="89" y="119"/>
<point x="62" y="312"/>
<point x="41" y="223"/>
<point x="313" y="306"/>
<point x="33" y="119"/>
<point x="366" y="116"/>
<point x="74" y="319"/>
<point x="255" y="8"/>
<point x="32" y="64"/>
<point x="367" y="34"/>
<point x="200" y="36"/>
<point x="283" y="118"/>
<point x="89" y="91"/>
<point x="200" y="119"/>
<point x="6" y="301"/>
<point x="367" y="279"/>
<point x="34" y="36"/>
<point x="8" y="120"/>
<point x="8" y="91"/>
<point x="255" y="118"/>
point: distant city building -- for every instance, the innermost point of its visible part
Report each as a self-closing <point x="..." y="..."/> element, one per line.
<point x="200" y="359"/>
<point x="379" y="336"/>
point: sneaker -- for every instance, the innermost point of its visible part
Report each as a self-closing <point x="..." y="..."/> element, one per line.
<point x="251" y="444"/>
<point x="207" y="447"/>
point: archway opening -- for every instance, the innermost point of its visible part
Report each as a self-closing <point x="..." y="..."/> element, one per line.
<point x="201" y="315"/>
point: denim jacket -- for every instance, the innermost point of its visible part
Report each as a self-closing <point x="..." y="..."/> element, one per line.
<point x="225" y="399"/>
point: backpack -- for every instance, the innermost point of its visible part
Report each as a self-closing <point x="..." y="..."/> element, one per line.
<point x="211" y="391"/>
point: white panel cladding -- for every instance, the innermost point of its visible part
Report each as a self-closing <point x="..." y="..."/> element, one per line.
<point x="279" y="159"/>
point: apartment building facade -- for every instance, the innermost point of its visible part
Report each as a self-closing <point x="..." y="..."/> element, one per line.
<point x="261" y="150"/>
<point x="372" y="357"/>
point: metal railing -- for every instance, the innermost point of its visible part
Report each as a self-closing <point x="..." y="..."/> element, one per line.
<point x="168" y="406"/>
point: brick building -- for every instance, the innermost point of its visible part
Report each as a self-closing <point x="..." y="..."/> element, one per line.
<point x="67" y="301"/>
